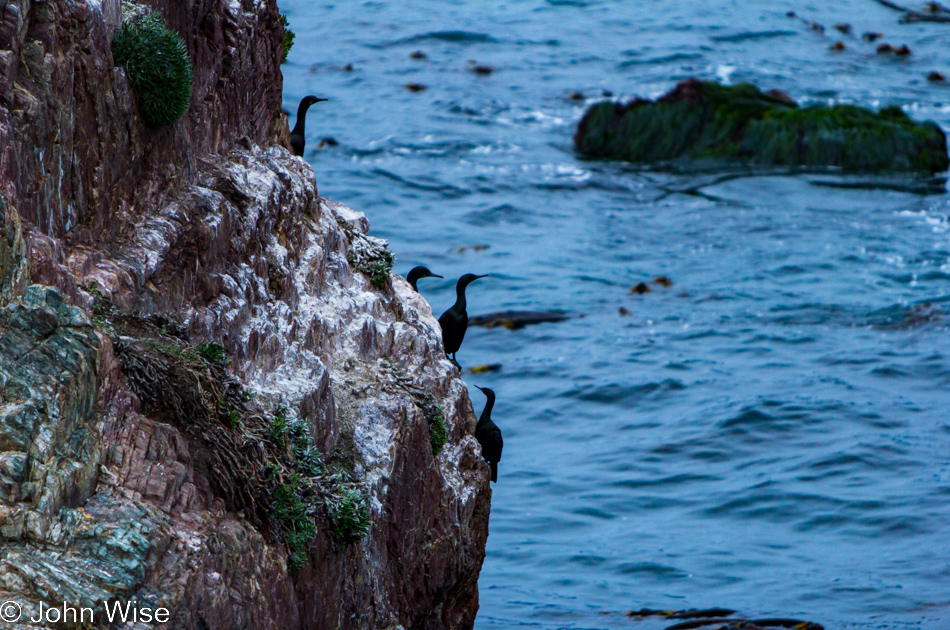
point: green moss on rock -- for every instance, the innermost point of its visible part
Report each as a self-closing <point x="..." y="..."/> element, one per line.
<point x="158" y="67"/>
<point x="378" y="268"/>
<point x="212" y="352"/>
<point x="706" y="121"/>
<point x="438" y="435"/>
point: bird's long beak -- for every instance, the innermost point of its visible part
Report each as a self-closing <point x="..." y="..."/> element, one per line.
<point x="435" y="275"/>
<point x="321" y="99"/>
<point x="477" y="387"/>
<point x="482" y="276"/>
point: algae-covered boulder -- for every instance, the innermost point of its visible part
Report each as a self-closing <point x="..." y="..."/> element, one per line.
<point x="699" y="120"/>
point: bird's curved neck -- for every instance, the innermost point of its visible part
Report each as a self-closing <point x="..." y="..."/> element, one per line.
<point x="486" y="413"/>
<point x="460" y="296"/>
<point x="301" y="117"/>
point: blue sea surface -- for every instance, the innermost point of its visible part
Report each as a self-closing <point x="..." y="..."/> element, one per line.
<point x="768" y="434"/>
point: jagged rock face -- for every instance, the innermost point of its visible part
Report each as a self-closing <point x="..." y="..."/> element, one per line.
<point x="207" y="226"/>
<point x="74" y="155"/>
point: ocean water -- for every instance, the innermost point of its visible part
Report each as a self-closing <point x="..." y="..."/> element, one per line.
<point x="768" y="434"/>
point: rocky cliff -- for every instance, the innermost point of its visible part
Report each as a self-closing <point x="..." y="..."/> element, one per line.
<point x="214" y="399"/>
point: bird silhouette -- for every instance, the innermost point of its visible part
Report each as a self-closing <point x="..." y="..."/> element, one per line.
<point x="417" y="273"/>
<point x="297" y="139"/>
<point x="489" y="435"/>
<point x="454" y="321"/>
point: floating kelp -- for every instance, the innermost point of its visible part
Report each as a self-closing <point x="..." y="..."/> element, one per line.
<point x="902" y="317"/>
<point x="513" y="320"/>
<point x="701" y="120"/>
<point x="484" y="369"/>
<point x="934" y="185"/>
<point x="721" y="619"/>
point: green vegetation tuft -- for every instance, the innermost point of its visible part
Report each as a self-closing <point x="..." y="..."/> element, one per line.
<point x="435" y="417"/>
<point x="278" y="426"/>
<point x="334" y="492"/>
<point x="308" y="460"/>
<point x="292" y="513"/>
<point x="212" y="352"/>
<point x="281" y="485"/>
<point x="158" y="67"/>
<point x="167" y="348"/>
<point x="707" y="121"/>
<point x="437" y="432"/>
<point x="289" y="36"/>
<point x="378" y="268"/>
<point x="379" y="271"/>
<point x="348" y="510"/>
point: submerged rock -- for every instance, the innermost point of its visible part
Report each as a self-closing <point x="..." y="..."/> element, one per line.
<point x="700" y="120"/>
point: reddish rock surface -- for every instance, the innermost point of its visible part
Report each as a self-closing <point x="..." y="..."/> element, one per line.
<point x="214" y="226"/>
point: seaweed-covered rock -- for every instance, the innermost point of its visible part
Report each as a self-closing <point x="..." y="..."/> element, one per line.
<point x="700" y="120"/>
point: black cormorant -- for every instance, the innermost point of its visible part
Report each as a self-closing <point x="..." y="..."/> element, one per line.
<point x="297" y="135"/>
<point x="489" y="435"/>
<point x="454" y="321"/>
<point x="417" y="273"/>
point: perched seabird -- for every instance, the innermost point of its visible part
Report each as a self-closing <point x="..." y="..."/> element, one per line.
<point x="489" y="435"/>
<point x="454" y="321"/>
<point x="417" y="273"/>
<point x="297" y="135"/>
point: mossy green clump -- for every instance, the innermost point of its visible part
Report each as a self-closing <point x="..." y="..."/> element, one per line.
<point x="706" y="121"/>
<point x="377" y="268"/>
<point x="289" y="36"/>
<point x="212" y="352"/>
<point x="380" y="269"/>
<point x="158" y="67"/>
<point x="434" y="414"/>
<point x="438" y="435"/>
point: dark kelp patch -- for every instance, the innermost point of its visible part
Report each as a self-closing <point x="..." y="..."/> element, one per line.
<point x="721" y="619"/>
<point x="513" y="320"/>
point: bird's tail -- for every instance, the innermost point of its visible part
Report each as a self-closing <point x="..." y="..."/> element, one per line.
<point x="494" y="471"/>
